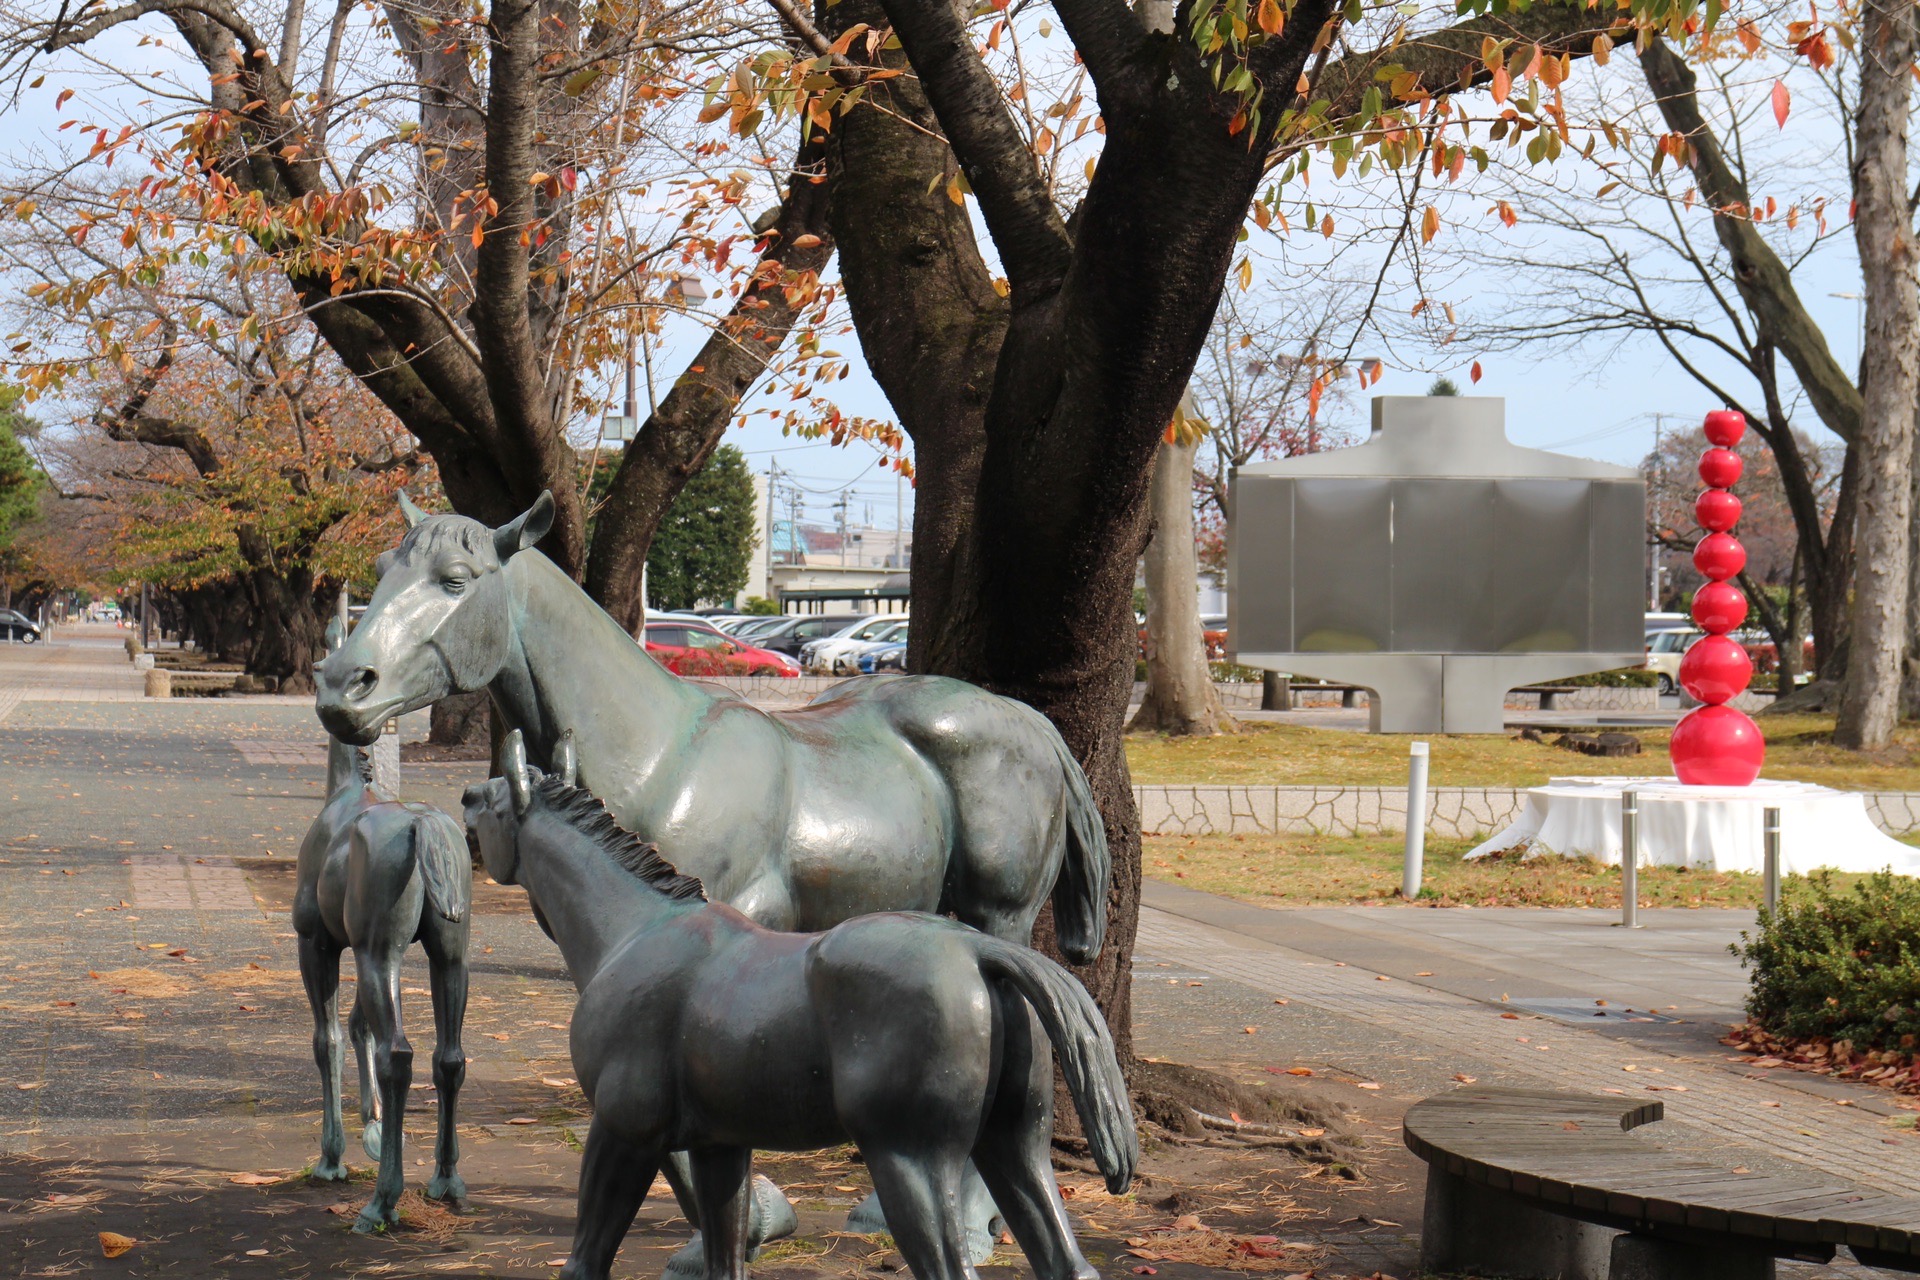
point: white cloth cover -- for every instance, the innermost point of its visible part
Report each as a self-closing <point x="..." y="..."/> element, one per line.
<point x="1712" y="828"/>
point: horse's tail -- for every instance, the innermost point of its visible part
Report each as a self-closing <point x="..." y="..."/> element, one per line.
<point x="444" y="865"/>
<point x="1080" y="1038"/>
<point x="1080" y="894"/>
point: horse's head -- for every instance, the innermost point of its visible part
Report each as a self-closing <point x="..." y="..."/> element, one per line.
<point x="494" y="808"/>
<point x="438" y="622"/>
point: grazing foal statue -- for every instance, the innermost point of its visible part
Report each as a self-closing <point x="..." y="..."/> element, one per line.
<point x="698" y="1030"/>
<point x="377" y="876"/>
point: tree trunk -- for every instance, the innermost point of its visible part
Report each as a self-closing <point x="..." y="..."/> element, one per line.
<point x="461" y="720"/>
<point x="286" y="627"/>
<point x="1890" y="376"/>
<point x="1180" y="699"/>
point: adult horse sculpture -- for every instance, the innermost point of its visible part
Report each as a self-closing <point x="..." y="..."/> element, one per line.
<point x="884" y="794"/>
<point x="891" y="793"/>
<point x="377" y="875"/>
<point x="700" y="1030"/>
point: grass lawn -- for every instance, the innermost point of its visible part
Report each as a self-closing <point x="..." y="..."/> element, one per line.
<point x="1309" y="870"/>
<point x="1797" y="749"/>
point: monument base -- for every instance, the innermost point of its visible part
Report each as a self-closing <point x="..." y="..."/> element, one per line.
<point x="1708" y="828"/>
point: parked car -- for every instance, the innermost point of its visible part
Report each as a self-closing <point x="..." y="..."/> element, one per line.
<point x="819" y="655"/>
<point x="793" y="632"/>
<point x="884" y="657"/>
<point x="1213" y="633"/>
<point x="747" y="623"/>
<point x="1664" y="651"/>
<point x="17" y="626"/>
<point x="689" y="647"/>
<point x="846" y="657"/>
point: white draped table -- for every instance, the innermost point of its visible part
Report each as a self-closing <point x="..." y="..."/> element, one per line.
<point x="1712" y="828"/>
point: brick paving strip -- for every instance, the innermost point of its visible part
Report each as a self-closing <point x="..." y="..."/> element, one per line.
<point x="1734" y="1105"/>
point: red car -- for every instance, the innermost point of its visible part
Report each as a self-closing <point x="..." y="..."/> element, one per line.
<point x="689" y="648"/>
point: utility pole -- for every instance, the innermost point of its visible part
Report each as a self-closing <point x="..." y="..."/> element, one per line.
<point x="840" y="520"/>
<point x="1659" y="503"/>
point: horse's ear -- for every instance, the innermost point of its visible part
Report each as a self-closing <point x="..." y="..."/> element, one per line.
<point x="525" y="529"/>
<point x="336" y="635"/>
<point x="566" y="765"/>
<point x="513" y="766"/>
<point x="412" y="514"/>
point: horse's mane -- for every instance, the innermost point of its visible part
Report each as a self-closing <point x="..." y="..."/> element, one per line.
<point x="470" y="535"/>
<point x="582" y="810"/>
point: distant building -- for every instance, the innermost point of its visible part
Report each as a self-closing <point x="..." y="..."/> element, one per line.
<point x="814" y="568"/>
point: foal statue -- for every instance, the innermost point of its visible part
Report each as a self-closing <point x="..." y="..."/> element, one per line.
<point x="698" y="1030"/>
<point x="377" y="876"/>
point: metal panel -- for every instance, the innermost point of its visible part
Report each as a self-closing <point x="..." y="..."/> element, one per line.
<point x="1260" y="552"/>
<point x="1443" y="541"/>
<point x="1541" y="565"/>
<point x="1342" y="553"/>
<point x="1618" y="521"/>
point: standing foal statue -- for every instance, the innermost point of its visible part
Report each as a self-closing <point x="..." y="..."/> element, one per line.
<point x="914" y="793"/>
<point x="376" y="875"/>
<point x="699" y="1030"/>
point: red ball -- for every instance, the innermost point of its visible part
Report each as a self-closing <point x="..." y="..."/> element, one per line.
<point x="1717" y="510"/>
<point x="1719" y="556"/>
<point x="1719" y="607"/>
<point x="1717" y="747"/>
<point x="1721" y="468"/>
<point x="1715" y="669"/>
<point x="1725" y="427"/>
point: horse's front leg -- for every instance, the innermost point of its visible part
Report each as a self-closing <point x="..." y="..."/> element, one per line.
<point x="320" y="974"/>
<point x="446" y="947"/>
<point x="378" y="969"/>
<point x="614" y="1177"/>
<point x="362" y="1040"/>
<point x="722" y="1189"/>
<point x="770" y="1218"/>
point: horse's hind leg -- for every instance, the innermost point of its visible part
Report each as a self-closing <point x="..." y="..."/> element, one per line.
<point x="614" y="1177"/>
<point x="377" y="963"/>
<point x="920" y="1193"/>
<point x="362" y="1040"/>
<point x="723" y="1189"/>
<point x="320" y="974"/>
<point x="446" y="945"/>
<point x="1013" y="1153"/>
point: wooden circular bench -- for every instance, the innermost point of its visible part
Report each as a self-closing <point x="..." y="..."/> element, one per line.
<point x="1555" y="1186"/>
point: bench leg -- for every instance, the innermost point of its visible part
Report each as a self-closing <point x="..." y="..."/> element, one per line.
<point x="1645" y="1258"/>
<point x="1478" y="1231"/>
<point x="1347" y="697"/>
<point x="1549" y="701"/>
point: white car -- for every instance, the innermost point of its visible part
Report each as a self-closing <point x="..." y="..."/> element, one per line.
<point x="846" y="657"/>
<point x="1664" y="651"/>
<point x="818" y="655"/>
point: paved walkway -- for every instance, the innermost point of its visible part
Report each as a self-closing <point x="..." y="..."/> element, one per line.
<point x="80" y="662"/>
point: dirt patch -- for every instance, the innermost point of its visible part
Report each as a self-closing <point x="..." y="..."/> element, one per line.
<point x="251" y="976"/>
<point x="148" y="984"/>
<point x="434" y="753"/>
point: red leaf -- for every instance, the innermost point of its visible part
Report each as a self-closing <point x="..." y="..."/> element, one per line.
<point x="1782" y="102"/>
<point x="1474" y="373"/>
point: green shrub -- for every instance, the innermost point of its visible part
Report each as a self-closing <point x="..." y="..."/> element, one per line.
<point x="1624" y="678"/>
<point x="1837" y="964"/>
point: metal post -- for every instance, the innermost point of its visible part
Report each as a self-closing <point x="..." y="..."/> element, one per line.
<point x="146" y="613"/>
<point x="1771" y="870"/>
<point x="345" y="610"/>
<point x="1630" y="859"/>
<point x="1416" y="850"/>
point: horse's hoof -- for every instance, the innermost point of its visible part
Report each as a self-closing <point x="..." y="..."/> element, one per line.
<point x="867" y="1219"/>
<point x="373" y="1222"/>
<point x="328" y="1171"/>
<point x="370" y="1141"/>
<point x="772" y="1216"/>
<point x="449" y="1187"/>
<point x="689" y="1263"/>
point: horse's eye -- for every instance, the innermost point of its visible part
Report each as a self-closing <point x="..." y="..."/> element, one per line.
<point x="454" y="583"/>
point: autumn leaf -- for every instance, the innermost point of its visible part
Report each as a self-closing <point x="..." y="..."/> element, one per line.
<point x="113" y="1244"/>
<point x="1474" y="373"/>
<point x="1429" y="225"/>
<point x="1782" y="103"/>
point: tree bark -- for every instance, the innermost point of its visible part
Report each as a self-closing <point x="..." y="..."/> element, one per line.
<point x="1180" y="699"/>
<point x="286" y="627"/>
<point x="461" y="720"/>
<point x="1890" y="376"/>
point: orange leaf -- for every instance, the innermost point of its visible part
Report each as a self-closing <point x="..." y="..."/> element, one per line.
<point x="1474" y="373"/>
<point x="1429" y="225"/>
<point x="479" y="235"/>
<point x="1502" y="82"/>
<point x="1782" y="103"/>
<point x="113" y="1244"/>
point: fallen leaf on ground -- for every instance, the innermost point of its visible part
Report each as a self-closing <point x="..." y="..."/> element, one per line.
<point x="113" y="1244"/>
<point x="25" y="1085"/>
<point x="253" y="1179"/>
<point x="1366" y="1085"/>
<point x="1463" y="1078"/>
<point x="1312" y="1133"/>
<point x="523" y="1120"/>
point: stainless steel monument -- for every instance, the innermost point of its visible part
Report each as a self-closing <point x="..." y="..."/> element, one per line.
<point x="1438" y="565"/>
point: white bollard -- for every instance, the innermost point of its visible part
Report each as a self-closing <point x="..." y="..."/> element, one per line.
<point x="1771" y="869"/>
<point x="1630" y="859"/>
<point x="386" y="761"/>
<point x="1416" y="850"/>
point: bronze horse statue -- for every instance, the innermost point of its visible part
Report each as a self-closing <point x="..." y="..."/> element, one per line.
<point x="376" y="875"/>
<point x="886" y="793"/>
<point x="701" y="1031"/>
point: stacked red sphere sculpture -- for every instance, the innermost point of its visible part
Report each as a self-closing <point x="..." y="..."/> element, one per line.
<point x="1714" y="745"/>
